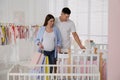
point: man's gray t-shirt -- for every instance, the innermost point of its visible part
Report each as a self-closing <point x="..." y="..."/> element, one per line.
<point x="66" y="28"/>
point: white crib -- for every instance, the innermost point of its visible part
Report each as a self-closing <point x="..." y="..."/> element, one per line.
<point x="78" y="70"/>
<point x="22" y="72"/>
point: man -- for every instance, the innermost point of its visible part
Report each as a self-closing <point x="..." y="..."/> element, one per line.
<point x="66" y="27"/>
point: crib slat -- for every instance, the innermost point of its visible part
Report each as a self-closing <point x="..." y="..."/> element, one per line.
<point x="24" y="77"/>
<point x="13" y="77"/>
<point x="18" y="77"/>
<point x="29" y="77"/>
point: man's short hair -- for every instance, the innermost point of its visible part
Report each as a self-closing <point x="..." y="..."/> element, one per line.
<point x="66" y="10"/>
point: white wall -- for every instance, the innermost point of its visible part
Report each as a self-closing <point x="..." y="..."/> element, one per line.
<point x="23" y="11"/>
<point x="3" y="10"/>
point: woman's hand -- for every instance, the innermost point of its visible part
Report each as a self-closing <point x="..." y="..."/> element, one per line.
<point x="41" y="46"/>
<point x="58" y="49"/>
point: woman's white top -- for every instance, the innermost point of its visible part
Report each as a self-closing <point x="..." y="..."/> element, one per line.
<point x="48" y="41"/>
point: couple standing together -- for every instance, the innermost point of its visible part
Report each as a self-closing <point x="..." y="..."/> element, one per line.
<point x="54" y="35"/>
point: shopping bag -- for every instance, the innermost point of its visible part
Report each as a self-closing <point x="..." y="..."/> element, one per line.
<point x="37" y="59"/>
<point x="47" y="67"/>
<point x="44" y="69"/>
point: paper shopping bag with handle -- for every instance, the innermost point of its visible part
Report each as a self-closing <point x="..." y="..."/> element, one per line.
<point x="37" y="59"/>
<point x="47" y="67"/>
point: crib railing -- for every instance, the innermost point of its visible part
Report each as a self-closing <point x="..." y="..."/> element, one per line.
<point x="102" y="46"/>
<point x="82" y="66"/>
<point x="28" y="72"/>
<point x="90" y="59"/>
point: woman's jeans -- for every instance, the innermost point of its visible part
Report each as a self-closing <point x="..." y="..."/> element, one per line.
<point x="51" y="57"/>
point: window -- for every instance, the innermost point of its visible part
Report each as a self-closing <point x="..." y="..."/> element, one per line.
<point x="90" y="17"/>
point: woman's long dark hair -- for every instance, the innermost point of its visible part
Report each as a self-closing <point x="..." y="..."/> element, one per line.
<point x="48" y="17"/>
